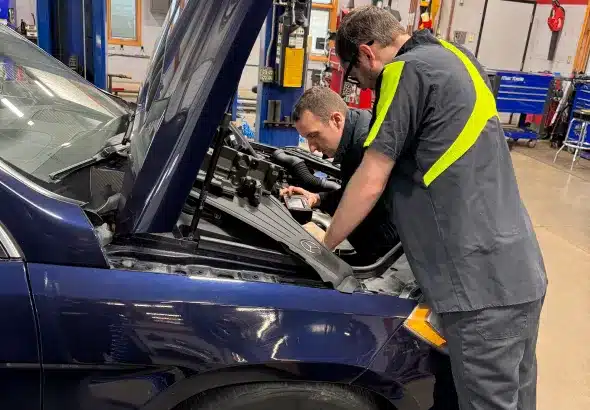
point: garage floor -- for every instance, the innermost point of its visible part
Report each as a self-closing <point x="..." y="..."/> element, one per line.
<point x="559" y="204"/>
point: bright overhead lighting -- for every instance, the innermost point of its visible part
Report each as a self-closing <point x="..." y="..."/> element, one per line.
<point x="12" y="108"/>
<point x="31" y="123"/>
<point x="41" y="86"/>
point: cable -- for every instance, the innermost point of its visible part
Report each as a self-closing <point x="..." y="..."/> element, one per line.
<point x="272" y="35"/>
<point x="299" y="170"/>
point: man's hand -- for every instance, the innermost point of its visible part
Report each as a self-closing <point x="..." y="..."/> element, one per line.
<point x="312" y="199"/>
<point x="361" y="193"/>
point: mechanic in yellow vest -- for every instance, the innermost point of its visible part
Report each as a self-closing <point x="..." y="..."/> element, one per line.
<point x="436" y="145"/>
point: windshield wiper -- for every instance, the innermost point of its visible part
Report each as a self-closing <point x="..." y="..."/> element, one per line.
<point x="127" y="137"/>
<point x="107" y="151"/>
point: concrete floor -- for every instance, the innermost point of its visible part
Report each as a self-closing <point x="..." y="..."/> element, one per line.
<point x="559" y="204"/>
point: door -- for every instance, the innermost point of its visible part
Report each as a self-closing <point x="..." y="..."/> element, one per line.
<point x="504" y="34"/>
<point x="20" y="369"/>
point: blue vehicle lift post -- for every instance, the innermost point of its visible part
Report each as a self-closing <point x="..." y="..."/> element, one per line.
<point x="278" y="131"/>
<point x="75" y="28"/>
<point x="8" y="13"/>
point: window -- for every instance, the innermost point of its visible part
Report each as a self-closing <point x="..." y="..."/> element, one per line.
<point x="319" y="27"/>
<point x="124" y="22"/>
<point x="323" y="19"/>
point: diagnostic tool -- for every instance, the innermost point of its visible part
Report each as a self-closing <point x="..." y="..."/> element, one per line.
<point x="299" y="208"/>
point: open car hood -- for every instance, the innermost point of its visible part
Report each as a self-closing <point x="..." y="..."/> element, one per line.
<point x="194" y="71"/>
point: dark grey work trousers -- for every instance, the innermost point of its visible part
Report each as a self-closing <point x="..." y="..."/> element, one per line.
<point x="493" y="357"/>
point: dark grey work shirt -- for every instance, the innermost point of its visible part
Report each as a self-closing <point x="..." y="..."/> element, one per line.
<point x="467" y="234"/>
<point x="376" y="235"/>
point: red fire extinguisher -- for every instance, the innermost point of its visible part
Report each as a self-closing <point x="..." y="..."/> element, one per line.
<point x="555" y="22"/>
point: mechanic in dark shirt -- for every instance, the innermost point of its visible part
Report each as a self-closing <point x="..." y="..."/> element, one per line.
<point x="437" y="141"/>
<point x="330" y="127"/>
<point x="339" y="132"/>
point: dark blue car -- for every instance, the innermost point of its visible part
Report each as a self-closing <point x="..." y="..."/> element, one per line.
<point x="147" y="261"/>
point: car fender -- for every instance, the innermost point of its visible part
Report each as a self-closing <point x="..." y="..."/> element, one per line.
<point x="193" y="325"/>
<point x="184" y="390"/>
<point x="47" y="227"/>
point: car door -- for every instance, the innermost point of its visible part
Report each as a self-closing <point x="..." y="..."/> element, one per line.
<point x="20" y="369"/>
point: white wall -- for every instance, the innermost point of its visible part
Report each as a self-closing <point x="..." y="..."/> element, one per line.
<point x="24" y="8"/>
<point x="566" y="47"/>
<point x="250" y="73"/>
<point x="134" y="66"/>
<point x="466" y="17"/>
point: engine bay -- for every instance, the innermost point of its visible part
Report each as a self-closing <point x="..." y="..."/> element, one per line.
<point x="251" y="171"/>
<point x="244" y="221"/>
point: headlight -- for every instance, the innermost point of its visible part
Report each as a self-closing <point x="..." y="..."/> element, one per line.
<point x="425" y="324"/>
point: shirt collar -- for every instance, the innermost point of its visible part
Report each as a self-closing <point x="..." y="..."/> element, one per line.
<point x="347" y="134"/>
<point x="419" y="38"/>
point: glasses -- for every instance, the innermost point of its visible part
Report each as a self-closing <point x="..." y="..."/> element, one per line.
<point x="353" y="61"/>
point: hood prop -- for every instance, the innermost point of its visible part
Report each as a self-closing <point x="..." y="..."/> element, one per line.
<point x="222" y="132"/>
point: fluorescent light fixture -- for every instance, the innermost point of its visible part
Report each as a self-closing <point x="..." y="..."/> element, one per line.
<point x="41" y="86"/>
<point x="31" y="123"/>
<point x="12" y="108"/>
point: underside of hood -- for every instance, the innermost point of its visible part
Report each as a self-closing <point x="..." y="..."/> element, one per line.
<point x="194" y="72"/>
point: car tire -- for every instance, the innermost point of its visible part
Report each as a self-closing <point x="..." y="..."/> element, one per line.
<point x="284" y="396"/>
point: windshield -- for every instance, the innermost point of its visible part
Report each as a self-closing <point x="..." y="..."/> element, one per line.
<point x="50" y="117"/>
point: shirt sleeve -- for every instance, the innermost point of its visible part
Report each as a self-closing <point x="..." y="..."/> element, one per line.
<point x="329" y="201"/>
<point x="398" y="110"/>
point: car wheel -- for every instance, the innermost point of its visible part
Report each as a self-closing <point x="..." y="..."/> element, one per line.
<point x="284" y="396"/>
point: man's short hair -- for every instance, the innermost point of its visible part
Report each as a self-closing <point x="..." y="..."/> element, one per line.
<point x="320" y="101"/>
<point x="364" y="24"/>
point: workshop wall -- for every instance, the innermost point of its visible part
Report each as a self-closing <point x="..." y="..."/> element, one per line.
<point x="466" y="18"/>
<point x="135" y="60"/>
<point x="502" y="17"/>
<point x="250" y="73"/>
<point x="24" y="8"/>
<point x="403" y="6"/>
<point x="568" y="42"/>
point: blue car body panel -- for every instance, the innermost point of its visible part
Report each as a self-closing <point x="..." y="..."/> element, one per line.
<point x="46" y="227"/>
<point x="147" y="322"/>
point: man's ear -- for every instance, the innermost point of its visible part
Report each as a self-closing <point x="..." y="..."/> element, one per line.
<point x="366" y="52"/>
<point x="338" y="119"/>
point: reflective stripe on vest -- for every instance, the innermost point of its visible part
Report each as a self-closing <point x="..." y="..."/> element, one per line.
<point x="389" y="82"/>
<point x="483" y="109"/>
